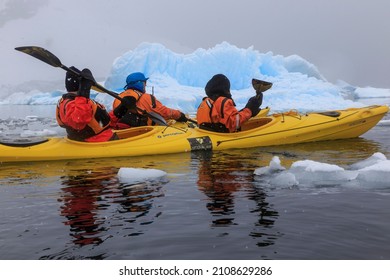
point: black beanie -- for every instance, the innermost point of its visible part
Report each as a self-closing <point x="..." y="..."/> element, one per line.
<point x="219" y="85"/>
<point x="72" y="80"/>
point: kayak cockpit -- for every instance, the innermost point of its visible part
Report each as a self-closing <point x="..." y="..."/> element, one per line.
<point x="255" y="123"/>
<point x="133" y="132"/>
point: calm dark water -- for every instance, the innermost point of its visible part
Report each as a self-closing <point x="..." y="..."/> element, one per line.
<point x="209" y="206"/>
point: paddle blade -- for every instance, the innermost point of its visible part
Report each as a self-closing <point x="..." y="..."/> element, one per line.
<point x="260" y="85"/>
<point x="41" y="54"/>
<point x="159" y="120"/>
<point x="49" y="58"/>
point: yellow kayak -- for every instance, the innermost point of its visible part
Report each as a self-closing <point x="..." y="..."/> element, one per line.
<point x="276" y="129"/>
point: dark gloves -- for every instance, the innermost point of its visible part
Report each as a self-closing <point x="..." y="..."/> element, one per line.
<point x="182" y="118"/>
<point x="253" y="105"/>
<point x="86" y="82"/>
<point x="260" y="86"/>
<point x="127" y="103"/>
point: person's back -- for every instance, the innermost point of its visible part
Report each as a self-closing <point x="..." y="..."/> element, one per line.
<point x="83" y="118"/>
<point x="217" y="111"/>
<point x="135" y="93"/>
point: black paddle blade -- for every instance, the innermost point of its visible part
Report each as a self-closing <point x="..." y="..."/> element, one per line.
<point x="157" y="118"/>
<point x="49" y="58"/>
<point x="41" y="54"/>
<point x="260" y="85"/>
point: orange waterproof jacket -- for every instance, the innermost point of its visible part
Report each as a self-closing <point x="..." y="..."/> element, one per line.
<point x="148" y="103"/>
<point x="83" y="119"/>
<point x="221" y="115"/>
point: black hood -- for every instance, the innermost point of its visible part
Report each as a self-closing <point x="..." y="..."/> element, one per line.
<point x="219" y="85"/>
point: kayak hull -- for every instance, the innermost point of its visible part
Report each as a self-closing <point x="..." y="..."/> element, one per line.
<point x="277" y="129"/>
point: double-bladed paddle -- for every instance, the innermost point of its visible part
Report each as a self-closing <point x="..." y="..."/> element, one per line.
<point x="49" y="58"/>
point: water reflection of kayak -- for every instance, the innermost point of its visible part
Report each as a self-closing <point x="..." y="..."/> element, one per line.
<point x="276" y="129"/>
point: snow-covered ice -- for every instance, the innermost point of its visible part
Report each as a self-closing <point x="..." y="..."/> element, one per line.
<point x="136" y="175"/>
<point x="371" y="172"/>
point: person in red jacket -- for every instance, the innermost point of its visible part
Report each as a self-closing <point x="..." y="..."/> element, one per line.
<point x="217" y="112"/>
<point x="135" y="93"/>
<point x="83" y="118"/>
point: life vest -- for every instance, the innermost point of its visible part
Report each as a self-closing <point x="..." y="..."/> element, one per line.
<point x="130" y="92"/>
<point x="204" y="115"/>
<point x="99" y="122"/>
<point x="133" y="119"/>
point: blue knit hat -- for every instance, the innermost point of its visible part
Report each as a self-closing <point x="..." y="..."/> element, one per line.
<point x="136" y="81"/>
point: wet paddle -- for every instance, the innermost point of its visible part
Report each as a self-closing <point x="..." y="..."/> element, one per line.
<point x="49" y="58"/>
<point x="261" y="86"/>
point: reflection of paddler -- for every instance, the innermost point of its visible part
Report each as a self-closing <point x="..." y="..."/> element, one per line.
<point x="86" y="194"/>
<point x="80" y="197"/>
<point x="137" y="198"/>
<point x="218" y="181"/>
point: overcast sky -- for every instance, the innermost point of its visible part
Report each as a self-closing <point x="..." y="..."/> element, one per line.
<point x="345" y="39"/>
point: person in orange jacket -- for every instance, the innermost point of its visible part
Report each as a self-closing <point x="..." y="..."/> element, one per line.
<point x="135" y="94"/>
<point x="217" y="112"/>
<point x="83" y="118"/>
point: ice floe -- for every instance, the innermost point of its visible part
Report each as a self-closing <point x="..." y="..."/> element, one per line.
<point x="371" y="172"/>
<point x="136" y="175"/>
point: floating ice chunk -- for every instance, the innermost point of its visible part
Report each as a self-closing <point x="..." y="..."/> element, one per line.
<point x="314" y="166"/>
<point x="370" y="92"/>
<point x="373" y="171"/>
<point x="31" y="118"/>
<point x="274" y="166"/>
<point x="308" y="171"/>
<point x="384" y="123"/>
<point x="31" y="133"/>
<point x="285" y="179"/>
<point x="374" y="159"/>
<point x="262" y="171"/>
<point x="133" y="175"/>
<point x="378" y="174"/>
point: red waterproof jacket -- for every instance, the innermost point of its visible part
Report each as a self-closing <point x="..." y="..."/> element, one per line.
<point x="84" y="119"/>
